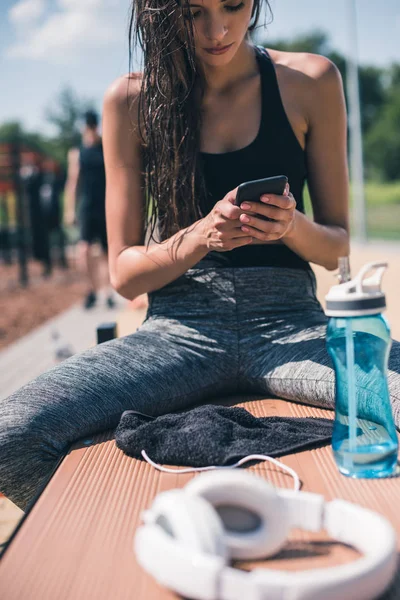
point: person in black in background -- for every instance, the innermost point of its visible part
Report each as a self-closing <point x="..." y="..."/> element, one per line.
<point x="32" y="180"/>
<point x="86" y="179"/>
<point x="53" y="181"/>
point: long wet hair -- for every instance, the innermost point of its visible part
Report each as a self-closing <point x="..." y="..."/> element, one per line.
<point x="170" y="112"/>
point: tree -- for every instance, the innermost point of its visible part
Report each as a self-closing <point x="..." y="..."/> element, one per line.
<point x="316" y="42"/>
<point x="11" y="131"/>
<point x="65" y="114"/>
<point x="372" y="95"/>
<point x="393" y="75"/>
<point x="382" y="144"/>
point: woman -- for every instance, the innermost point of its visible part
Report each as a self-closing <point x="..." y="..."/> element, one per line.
<point x="232" y="303"/>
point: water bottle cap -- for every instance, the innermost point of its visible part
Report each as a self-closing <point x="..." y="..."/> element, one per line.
<point x="106" y="332"/>
<point x="360" y="296"/>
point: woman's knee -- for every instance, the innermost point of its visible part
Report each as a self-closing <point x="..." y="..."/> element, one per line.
<point x="27" y="454"/>
<point x="24" y="424"/>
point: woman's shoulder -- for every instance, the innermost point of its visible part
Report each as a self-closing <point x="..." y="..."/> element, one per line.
<point x="306" y="69"/>
<point x="123" y="93"/>
<point x="314" y="81"/>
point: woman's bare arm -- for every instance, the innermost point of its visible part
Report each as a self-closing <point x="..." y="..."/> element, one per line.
<point x="134" y="268"/>
<point x="71" y="186"/>
<point x="325" y="239"/>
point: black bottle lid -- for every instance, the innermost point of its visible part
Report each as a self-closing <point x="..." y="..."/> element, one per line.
<point x="106" y="332"/>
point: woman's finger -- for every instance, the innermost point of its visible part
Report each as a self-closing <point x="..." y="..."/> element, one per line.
<point x="242" y="241"/>
<point x="283" y="202"/>
<point x="239" y="232"/>
<point x="263" y="224"/>
<point x="271" y="212"/>
<point x="273" y="232"/>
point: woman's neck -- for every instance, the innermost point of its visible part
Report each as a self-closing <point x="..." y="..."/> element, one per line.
<point x="220" y="79"/>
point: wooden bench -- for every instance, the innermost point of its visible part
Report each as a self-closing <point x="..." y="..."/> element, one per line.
<point x="76" y="541"/>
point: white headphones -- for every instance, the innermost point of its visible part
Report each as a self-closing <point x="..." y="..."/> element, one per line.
<point x="190" y="534"/>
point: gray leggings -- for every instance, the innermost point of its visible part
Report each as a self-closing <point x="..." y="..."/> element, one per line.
<point x="212" y="332"/>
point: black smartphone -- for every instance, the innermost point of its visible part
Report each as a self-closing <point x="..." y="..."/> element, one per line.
<point x="252" y="190"/>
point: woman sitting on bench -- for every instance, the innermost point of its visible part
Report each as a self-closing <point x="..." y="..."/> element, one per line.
<point x="232" y="298"/>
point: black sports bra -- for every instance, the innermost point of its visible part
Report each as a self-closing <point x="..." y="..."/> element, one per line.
<point x="274" y="151"/>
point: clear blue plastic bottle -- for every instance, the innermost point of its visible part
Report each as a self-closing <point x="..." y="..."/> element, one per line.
<point x="364" y="438"/>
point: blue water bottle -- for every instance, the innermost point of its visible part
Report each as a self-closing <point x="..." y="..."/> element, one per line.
<point x="364" y="437"/>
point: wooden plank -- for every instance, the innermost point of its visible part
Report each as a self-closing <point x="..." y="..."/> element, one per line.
<point x="77" y="541"/>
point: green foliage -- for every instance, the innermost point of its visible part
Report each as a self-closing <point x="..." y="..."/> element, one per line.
<point x="382" y="144"/>
<point x="11" y="131"/>
<point x="315" y="42"/>
<point x="383" y="221"/>
<point x="392" y="75"/>
<point x="372" y="95"/>
<point x="378" y="194"/>
<point x="65" y="114"/>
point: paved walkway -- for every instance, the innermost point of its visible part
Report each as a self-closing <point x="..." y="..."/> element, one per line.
<point x="34" y="353"/>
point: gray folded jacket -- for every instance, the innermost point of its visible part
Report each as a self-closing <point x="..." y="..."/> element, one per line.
<point x="216" y="435"/>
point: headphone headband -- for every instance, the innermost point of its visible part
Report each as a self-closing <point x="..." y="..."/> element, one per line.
<point x="204" y="575"/>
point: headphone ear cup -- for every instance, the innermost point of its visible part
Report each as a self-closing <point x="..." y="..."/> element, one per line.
<point x="255" y="519"/>
<point x="190" y="520"/>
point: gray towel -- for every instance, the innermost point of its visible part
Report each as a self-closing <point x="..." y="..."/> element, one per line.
<point x="216" y="435"/>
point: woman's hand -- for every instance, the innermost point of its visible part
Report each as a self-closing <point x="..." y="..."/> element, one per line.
<point x="282" y="211"/>
<point x="222" y="229"/>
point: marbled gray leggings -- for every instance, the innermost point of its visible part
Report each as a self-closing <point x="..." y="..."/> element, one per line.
<point x="211" y="332"/>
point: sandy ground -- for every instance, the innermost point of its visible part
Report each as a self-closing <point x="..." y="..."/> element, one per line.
<point x="24" y="309"/>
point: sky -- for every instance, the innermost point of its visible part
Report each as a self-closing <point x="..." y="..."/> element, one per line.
<point x="48" y="44"/>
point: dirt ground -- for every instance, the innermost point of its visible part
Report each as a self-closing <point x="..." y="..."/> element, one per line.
<point x="23" y="309"/>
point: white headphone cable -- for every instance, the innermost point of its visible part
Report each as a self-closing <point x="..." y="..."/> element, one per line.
<point x="291" y="472"/>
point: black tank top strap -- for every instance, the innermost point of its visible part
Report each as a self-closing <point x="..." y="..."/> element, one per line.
<point x="275" y="123"/>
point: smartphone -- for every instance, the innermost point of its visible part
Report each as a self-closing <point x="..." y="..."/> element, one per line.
<point x="252" y="190"/>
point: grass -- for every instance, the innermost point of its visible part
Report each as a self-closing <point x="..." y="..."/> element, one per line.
<point x="383" y="209"/>
<point x="377" y="194"/>
<point x="384" y="221"/>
